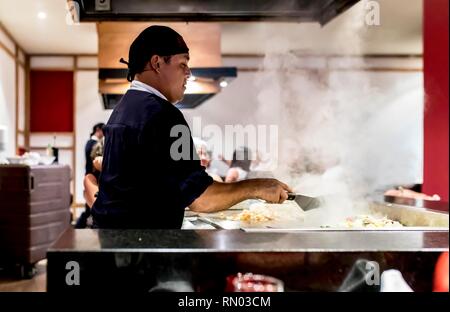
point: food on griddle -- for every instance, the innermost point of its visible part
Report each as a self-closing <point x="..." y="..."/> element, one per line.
<point x="370" y="221"/>
<point x="260" y="212"/>
<point x="250" y="217"/>
<point x="256" y="213"/>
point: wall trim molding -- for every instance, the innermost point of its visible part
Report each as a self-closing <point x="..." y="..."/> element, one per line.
<point x="381" y="69"/>
<point x="15" y="55"/>
<point x="242" y="55"/>
<point x="18" y="48"/>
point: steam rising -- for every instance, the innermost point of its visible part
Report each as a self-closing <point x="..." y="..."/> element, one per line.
<point x="334" y="131"/>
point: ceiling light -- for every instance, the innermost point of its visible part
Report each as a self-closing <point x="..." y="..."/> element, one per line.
<point x="223" y="84"/>
<point x="42" y="15"/>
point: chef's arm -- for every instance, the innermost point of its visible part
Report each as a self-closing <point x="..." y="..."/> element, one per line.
<point x="220" y="196"/>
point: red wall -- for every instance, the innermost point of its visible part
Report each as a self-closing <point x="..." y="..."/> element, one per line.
<point x="436" y="74"/>
<point x="51" y="101"/>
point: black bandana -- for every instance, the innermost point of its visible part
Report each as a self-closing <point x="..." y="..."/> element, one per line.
<point x="154" y="40"/>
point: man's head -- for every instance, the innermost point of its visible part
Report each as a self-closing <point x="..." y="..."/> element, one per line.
<point x="159" y="57"/>
<point x="97" y="130"/>
<point x="202" y="151"/>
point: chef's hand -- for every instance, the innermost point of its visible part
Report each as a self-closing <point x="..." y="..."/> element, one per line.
<point x="271" y="190"/>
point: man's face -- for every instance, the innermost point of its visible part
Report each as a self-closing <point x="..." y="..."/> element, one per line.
<point x="174" y="76"/>
<point x="99" y="133"/>
<point x="204" y="157"/>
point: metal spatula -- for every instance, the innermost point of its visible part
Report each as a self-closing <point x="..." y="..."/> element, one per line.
<point x="305" y="202"/>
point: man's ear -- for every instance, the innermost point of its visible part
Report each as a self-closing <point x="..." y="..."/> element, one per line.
<point x="154" y="62"/>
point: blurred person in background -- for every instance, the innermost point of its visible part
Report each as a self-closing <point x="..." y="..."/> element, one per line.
<point x="95" y="137"/>
<point x="90" y="181"/>
<point x="93" y="153"/>
<point x="205" y="159"/>
<point x="239" y="165"/>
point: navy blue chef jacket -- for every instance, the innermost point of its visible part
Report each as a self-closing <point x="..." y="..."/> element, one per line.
<point x="141" y="185"/>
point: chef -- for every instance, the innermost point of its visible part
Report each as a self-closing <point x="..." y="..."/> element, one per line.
<point x="144" y="182"/>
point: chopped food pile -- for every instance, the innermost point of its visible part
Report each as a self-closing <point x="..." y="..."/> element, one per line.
<point x="250" y="217"/>
<point x="370" y="221"/>
<point x="256" y="213"/>
<point x="282" y="214"/>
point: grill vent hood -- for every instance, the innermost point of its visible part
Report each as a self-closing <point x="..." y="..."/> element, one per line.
<point x="321" y="11"/>
<point x="113" y="85"/>
<point x="118" y="24"/>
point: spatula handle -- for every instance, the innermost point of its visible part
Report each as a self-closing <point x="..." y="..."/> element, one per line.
<point x="291" y="196"/>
